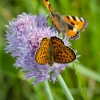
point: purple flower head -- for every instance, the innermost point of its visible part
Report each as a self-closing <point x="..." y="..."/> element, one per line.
<point x="22" y="39"/>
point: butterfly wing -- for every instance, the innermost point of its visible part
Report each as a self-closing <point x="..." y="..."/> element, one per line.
<point x="45" y="42"/>
<point x="42" y="55"/>
<point x="63" y="26"/>
<point x="48" y="6"/>
<point x="77" y="22"/>
<point x="55" y="17"/>
<point x="56" y="44"/>
<point x="71" y="32"/>
<point x="61" y="23"/>
<point x="69" y="25"/>
<point x="65" y="55"/>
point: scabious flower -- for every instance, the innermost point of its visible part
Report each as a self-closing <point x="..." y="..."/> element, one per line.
<point x="22" y="39"/>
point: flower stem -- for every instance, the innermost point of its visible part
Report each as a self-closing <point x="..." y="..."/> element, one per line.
<point x="86" y="71"/>
<point x="64" y="87"/>
<point x="47" y="90"/>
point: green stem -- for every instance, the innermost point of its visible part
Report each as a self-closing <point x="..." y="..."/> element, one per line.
<point x="86" y="71"/>
<point x="47" y="90"/>
<point x="64" y="87"/>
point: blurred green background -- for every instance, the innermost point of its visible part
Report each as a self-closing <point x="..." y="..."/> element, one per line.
<point x="12" y="85"/>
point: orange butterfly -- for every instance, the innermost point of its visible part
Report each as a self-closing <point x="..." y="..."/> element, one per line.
<point x="70" y="25"/>
<point x="53" y="50"/>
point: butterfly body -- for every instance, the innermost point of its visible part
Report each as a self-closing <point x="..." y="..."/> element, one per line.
<point x="53" y="50"/>
<point x="69" y="25"/>
<point x="51" y="57"/>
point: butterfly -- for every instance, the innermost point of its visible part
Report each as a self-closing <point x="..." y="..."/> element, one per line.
<point x="69" y="25"/>
<point x="53" y="50"/>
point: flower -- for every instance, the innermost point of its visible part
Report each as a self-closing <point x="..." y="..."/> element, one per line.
<point x="22" y="39"/>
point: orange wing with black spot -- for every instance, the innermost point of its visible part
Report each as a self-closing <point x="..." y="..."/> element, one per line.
<point x="62" y="54"/>
<point x="48" y="6"/>
<point x="53" y="50"/>
<point x="77" y="22"/>
<point x="69" y="25"/>
<point x="42" y="54"/>
<point x="56" y="44"/>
